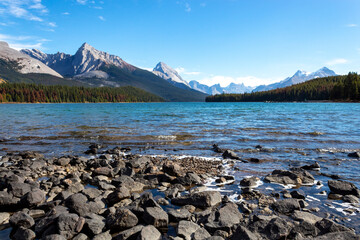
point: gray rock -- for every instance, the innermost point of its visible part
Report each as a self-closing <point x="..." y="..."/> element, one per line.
<point x="278" y="228"/>
<point x="54" y="237"/>
<point x="120" y="220"/>
<point x="249" y="182"/>
<point x="176" y="215"/>
<point x="33" y="198"/>
<point x="201" y="199"/>
<point x="21" y="219"/>
<point x="149" y="233"/>
<point x="224" y="218"/>
<point x="103" y="236"/>
<point x="171" y="193"/>
<point x="81" y="236"/>
<point x="350" y="199"/>
<point x="296" y="177"/>
<point x="297" y="195"/>
<point x="4" y="218"/>
<point x="69" y="224"/>
<point x="228" y="154"/>
<point x="140" y="162"/>
<point x="286" y="206"/>
<point x="129" y="233"/>
<point x="118" y="195"/>
<point x="244" y="234"/>
<point x="343" y="188"/>
<point x="186" y="228"/>
<point x="63" y="161"/>
<point x="156" y="216"/>
<point x="305" y="216"/>
<point x="19" y="189"/>
<point x="173" y="169"/>
<point x="161" y="201"/>
<point x="200" y="234"/>
<point x="91" y="193"/>
<point x="94" y="225"/>
<point x="7" y="201"/>
<point x="327" y="226"/>
<point x="105" y="171"/>
<point x="354" y="155"/>
<point x="24" y="234"/>
<point x="78" y="203"/>
<point x="348" y="235"/>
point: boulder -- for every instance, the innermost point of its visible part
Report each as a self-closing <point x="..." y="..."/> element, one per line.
<point x="156" y="216"/>
<point x="176" y="215"/>
<point x="173" y="169"/>
<point x="286" y="206"/>
<point x="296" y="176"/>
<point x="343" y="188"/>
<point x="315" y="166"/>
<point x="348" y="235"/>
<point x="224" y="218"/>
<point x="4" y="217"/>
<point x="53" y="237"/>
<point x="120" y="220"/>
<point x="103" y="236"/>
<point x="186" y="228"/>
<point x="118" y="195"/>
<point x="131" y="233"/>
<point x="21" y="219"/>
<point x="149" y="233"/>
<point x="328" y="226"/>
<point x="19" y="189"/>
<point x="305" y="216"/>
<point x="7" y="201"/>
<point x="350" y="199"/>
<point x="354" y="155"/>
<point x="249" y="182"/>
<point x="200" y="199"/>
<point x="69" y="224"/>
<point x="33" y="198"/>
<point x="140" y="162"/>
<point x="278" y="228"/>
<point x="244" y="234"/>
<point x="23" y="234"/>
<point x="200" y="234"/>
<point x="228" y="154"/>
<point x="77" y="203"/>
<point x="94" y="224"/>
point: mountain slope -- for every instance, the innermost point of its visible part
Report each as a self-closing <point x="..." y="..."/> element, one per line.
<point x="298" y="77"/>
<point x="25" y="64"/>
<point x="164" y="71"/>
<point x="217" y="89"/>
<point x="97" y="68"/>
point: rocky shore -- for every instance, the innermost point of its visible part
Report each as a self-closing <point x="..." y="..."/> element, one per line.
<point x="113" y="194"/>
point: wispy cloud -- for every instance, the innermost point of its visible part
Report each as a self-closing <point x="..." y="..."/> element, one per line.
<point x="184" y="4"/>
<point x="102" y="18"/>
<point x="66" y="13"/>
<point x="183" y="71"/>
<point x="337" y="61"/>
<point x="187" y="7"/>
<point x="82" y="2"/>
<point x="25" y="9"/>
<point x="21" y="42"/>
<point x="351" y="25"/>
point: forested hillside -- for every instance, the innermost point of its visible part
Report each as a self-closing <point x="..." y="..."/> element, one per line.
<point x="32" y="93"/>
<point x="336" y="88"/>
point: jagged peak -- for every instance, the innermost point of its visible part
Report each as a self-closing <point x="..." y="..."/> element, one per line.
<point x="4" y="44"/>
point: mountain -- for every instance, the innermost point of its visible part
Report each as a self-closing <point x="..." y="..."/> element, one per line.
<point x="25" y="64"/>
<point x="298" y="77"/>
<point x="171" y="75"/>
<point x="217" y="89"/>
<point x="97" y="68"/>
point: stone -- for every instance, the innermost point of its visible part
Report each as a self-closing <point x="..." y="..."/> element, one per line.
<point x="156" y="216"/>
<point x="94" y="224"/>
<point x="186" y="228"/>
<point x="105" y="171"/>
<point x="244" y="234"/>
<point x="33" y="198"/>
<point x="305" y="216"/>
<point x="4" y="217"/>
<point x="354" y="155"/>
<point x="350" y="199"/>
<point x="140" y="162"/>
<point x="7" y="201"/>
<point x="224" y="218"/>
<point x="343" y="188"/>
<point x="228" y="154"/>
<point x="63" y="161"/>
<point x="297" y="195"/>
<point x="23" y="234"/>
<point x="103" y="236"/>
<point x="315" y="167"/>
<point x="21" y="219"/>
<point x="295" y="177"/>
<point x="173" y="169"/>
<point x="122" y="219"/>
<point x="348" y="235"/>
<point x="200" y="234"/>
<point x="81" y="236"/>
<point x="249" y="182"/>
<point x="278" y="228"/>
<point x="91" y="193"/>
<point x="149" y="233"/>
<point x="129" y="233"/>
<point x="176" y="215"/>
<point x="286" y="206"/>
<point x="200" y="199"/>
<point x="163" y="201"/>
<point x="19" y="189"/>
<point x="118" y="195"/>
<point x="69" y="224"/>
<point x="327" y="226"/>
<point x="53" y="237"/>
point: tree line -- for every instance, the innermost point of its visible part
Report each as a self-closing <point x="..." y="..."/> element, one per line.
<point x="35" y="93"/>
<point x="335" y="88"/>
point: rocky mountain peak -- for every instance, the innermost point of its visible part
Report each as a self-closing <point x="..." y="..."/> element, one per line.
<point x="171" y="75"/>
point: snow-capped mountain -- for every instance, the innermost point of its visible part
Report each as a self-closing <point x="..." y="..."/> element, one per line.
<point x="171" y="75"/>
<point x="26" y="63"/>
<point x="298" y="77"/>
<point x="86" y="60"/>
<point x="217" y="89"/>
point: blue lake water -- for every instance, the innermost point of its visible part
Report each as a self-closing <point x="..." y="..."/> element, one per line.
<point x="291" y="134"/>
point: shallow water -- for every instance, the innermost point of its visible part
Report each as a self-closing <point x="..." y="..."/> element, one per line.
<point x="291" y="134"/>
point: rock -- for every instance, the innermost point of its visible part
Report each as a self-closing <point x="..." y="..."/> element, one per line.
<point x="140" y="162"/>
<point x="53" y="237"/>
<point x="122" y="219"/>
<point x="23" y="234"/>
<point x="4" y="218"/>
<point x="21" y="219"/>
<point x="348" y="235"/>
<point x="173" y="169"/>
<point x="249" y="182"/>
<point x="297" y="195"/>
<point x="19" y="189"/>
<point x="327" y="226"/>
<point x="186" y="228"/>
<point x="81" y="236"/>
<point x="200" y="199"/>
<point x="69" y="224"/>
<point x="305" y="216"/>
<point x="129" y="234"/>
<point x="295" y="177"/>
<point x="118" y="195"/>
<point x="216" y="149"/>
<point x="286" y="206"/>
<point x="91" y="193"/>
<point x="33" y="198"/>
<point x="343" y="188"/>
<point x="149" y="233"/>
<point x="171" y="193"/>
<point x="7" y="201"/>
<point x="350" y="199"/>
<point x="176" y="215"/>
<point x="163" y="201"/>
<point x="305" y="229"/>
<point x="278" y="228"/>
<point x="78" y="203"/>
<point x="228" y="154"/>
<point x="63" y="161"/>
<point x="105" y="171"/>
<point x="156" y="216"/>
<point x="94" y="224"/>
<point x="315" y="167"/>
<point x="200" y="234"/>
<point x="224" y="218"/>
<point x="103" y="236"/>
<point x="244" y="234"/>
<point x="354" y="155"/>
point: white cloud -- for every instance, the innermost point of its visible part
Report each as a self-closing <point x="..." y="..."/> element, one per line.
<point x="183" y="71"/>
<point x="102" y="18"/>
<point x="52" y="24"/>
<point x="25" y="9"/>
<point x="21" y="42"/>
<point x="226" y="80"/>
<point x="337" y="61"/>
<point x="351" y="25"/>
<point x="187" y="7"/>
<point x="66" y="13"/>
<point x="82" y="2"/>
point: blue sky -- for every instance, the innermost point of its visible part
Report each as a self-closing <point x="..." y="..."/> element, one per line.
<point x="212" y="41"/>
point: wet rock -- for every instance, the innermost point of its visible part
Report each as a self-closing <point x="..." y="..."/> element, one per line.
<point x="156" y="216"/>
<point x="103" y="236"/>
<point x="297" y="195"/>
<point x="122" y="219"/>
<point x="186" y="228"/>
<point x="224" y="218"/>
<point x="354" y="155"/>
<point x="327" y="226"/>
<point x="343" y="188"/>
<point x="245" y="234"/>
<point x="24" y="234"/>
<point x="149" y="233"/>
<point x="348" y="235"/>
<point x="171" y="192"/>
<point x="294" y="177"/>
<point x="228" y="154"/>
<point x="286" y="206"/>
<point x="201" y="199"/>
<point x="176" y="215"/>
<point x="249" y="182"/>
<point x="305" y="216"/>
<point x="216" y="149"/>
<point x="21" y="219"/>
<point x="163" y="201"/>
<point x="332" y="176"/>
<point x="315" y="167"/>
<point x="200" y="234"/>
<point x="350" y="199"/>
<point x="33" y="198"/>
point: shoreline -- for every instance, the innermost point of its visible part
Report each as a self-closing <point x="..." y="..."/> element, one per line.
<point x="112" y="193"/>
